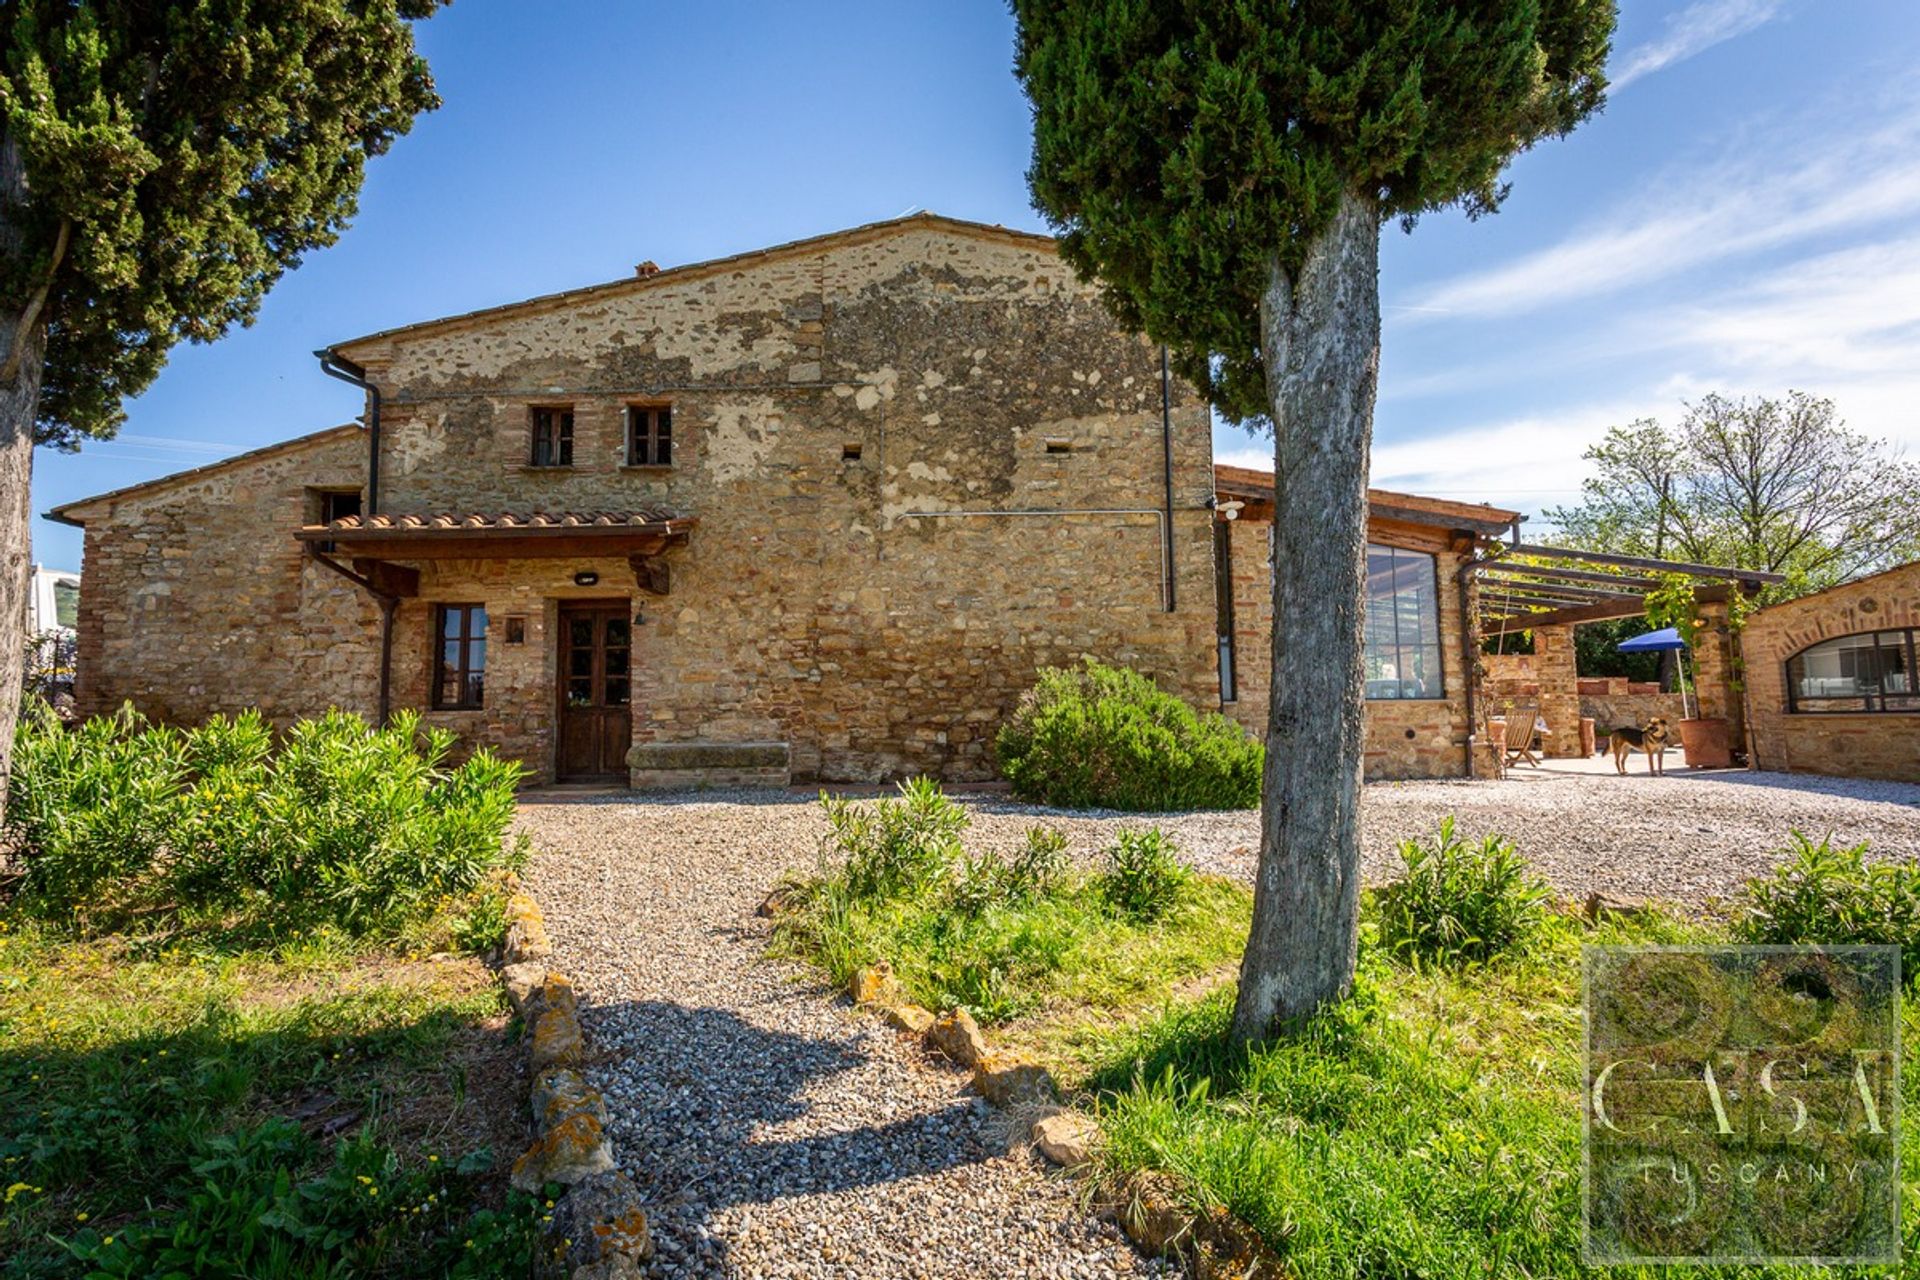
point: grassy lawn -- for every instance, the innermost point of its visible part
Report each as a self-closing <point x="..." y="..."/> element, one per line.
<point x="355" y="1092"/>
<point x="1427" y="1127"/>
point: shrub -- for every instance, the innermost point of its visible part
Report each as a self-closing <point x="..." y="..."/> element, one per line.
<point x="253" y="1206"/>
<point x="119" y="823"/>
<point x="1833" y="896"/>
<point x="1144" y="875"/>
<point x="1096" y="736"/>
<point x="1041" y="867"/>
<point x="897" y="847"/>
<point x="1460" y="902"/>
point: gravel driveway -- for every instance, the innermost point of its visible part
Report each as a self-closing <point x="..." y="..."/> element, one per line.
<point x="775" y="1133"/>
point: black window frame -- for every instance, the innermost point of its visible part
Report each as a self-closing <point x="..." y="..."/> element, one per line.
<point x="471" y="676"/>
<point x="649" y="435"/>
<point x="326" y="510"/>
<point x="1418" y="643"/>
<point x="550" y="436"/>
<point x="1909" y="645"/>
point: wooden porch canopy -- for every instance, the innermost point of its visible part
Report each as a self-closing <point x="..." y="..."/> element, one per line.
<point x="508" y="535"/>
<point x="1526" y="585"/>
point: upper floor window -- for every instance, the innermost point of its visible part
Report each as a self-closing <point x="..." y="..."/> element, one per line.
<point x="1403" y="624"/>
<point x="649" y="435"/>
<point x="552" y="436"/>
<point x="328" y="505"/>
<point x="459" y="656"/>
<point x="1872" y="671"/>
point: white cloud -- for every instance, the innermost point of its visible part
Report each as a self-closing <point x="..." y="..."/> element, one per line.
<point x="1697" y="217"/>
<point x="1693" y="30"/>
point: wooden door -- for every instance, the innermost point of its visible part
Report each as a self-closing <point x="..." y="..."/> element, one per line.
<point x="596" y="690"/>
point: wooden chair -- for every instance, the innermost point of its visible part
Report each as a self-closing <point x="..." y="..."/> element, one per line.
<point x="1517" y="747"/>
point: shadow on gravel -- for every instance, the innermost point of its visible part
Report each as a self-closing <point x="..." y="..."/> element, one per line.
<point x="694" y="1092"/>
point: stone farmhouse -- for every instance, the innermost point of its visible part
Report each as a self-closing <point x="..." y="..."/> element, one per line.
<point x="816" y="512"/>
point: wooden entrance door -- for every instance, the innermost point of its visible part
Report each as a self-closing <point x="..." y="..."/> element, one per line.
<point x="596" y="689"/>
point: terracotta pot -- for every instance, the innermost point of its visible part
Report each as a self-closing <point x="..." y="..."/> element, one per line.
<point x="1586" y="735"/>
<point x="1704" y="741"/>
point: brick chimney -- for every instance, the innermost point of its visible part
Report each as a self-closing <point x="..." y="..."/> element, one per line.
<point x="647" y="268"/>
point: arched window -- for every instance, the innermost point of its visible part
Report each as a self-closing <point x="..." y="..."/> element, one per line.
<point x="1872" y="671"/>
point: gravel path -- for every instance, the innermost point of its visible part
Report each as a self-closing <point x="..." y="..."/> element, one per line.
<point x="772" y="1131"/>
<point x="775" y="1133"/>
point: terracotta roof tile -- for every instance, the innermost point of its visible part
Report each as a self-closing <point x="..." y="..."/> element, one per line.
<point x="505" y="521"/>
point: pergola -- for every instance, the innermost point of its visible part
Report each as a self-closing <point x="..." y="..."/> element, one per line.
<point x="1525" y="586"/>
<point x="1549" y="590"/>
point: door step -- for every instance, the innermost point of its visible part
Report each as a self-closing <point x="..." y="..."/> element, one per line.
<point x="676" y="766"/>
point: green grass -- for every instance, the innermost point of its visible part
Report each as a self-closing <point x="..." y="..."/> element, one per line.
<point x="1063" y="954"/>
<point x="1429" y="1127"/>
<point x="151" y="1087"/>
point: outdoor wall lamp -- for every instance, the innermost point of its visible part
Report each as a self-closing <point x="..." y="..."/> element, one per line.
<point x="585" y="578"/>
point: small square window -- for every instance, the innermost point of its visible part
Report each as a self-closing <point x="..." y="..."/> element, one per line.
<point x="552" y="436"/>
<point x="850" y="452"/>
<point x="649" y="435"/>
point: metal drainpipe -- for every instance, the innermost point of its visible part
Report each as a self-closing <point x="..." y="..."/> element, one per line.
<point x="338" y="366"/>
<point x="1470" y="659"/>
<point x="1166" y="457"/>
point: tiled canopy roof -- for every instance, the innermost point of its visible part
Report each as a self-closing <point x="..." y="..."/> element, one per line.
<point x="506" y="522"/>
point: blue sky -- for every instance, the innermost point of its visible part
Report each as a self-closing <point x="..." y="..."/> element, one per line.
<point x="1741" y="218"/>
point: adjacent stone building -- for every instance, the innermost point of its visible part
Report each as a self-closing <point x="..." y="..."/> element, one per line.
<point x="1830" y="680"/>
<point x="815" y="512"/>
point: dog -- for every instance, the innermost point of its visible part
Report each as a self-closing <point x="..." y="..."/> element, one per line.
<point x="1651" y="739"/>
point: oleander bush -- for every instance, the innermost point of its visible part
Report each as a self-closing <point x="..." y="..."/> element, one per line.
<point x="1096" y="736"/>
<point x="1460" y="903"/>
<point x="1823" y="894"/>
<point x="121" y="825"/>
<point x="1144" y="875"/>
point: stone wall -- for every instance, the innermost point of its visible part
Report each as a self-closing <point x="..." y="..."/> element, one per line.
<point x="196" y="599"/>
<point x="924" y="463"/>
<point x="1863" y="745"/>
<point x="1424" y="738"/>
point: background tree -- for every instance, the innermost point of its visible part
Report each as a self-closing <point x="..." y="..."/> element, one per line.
<point x="1754" y="482"/>
<point x="1225" y="169"/>
<point x="161" y="165"/>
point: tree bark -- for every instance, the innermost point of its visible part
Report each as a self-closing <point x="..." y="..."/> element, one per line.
<point x="1320" y="340"/>
<point x="19" y="403"/>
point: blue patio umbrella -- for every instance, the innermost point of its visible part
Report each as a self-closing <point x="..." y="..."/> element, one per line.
<point x="1658" y="642"/>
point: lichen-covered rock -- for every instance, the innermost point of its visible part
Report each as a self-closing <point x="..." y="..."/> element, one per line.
<point x="573" y="1150"/>
<point x="560" y="1092"/>
<point x="1004" y="1080"/>
<point x="1066" y="1137"/>
<point x="958" y="1036"/>
<point x="910" y="1018"/>
<point x="556" y="992"/>
<point x="557" y="1040"/>
<point x="526" y="931"/>
<point x="1152" y="1216"/>
<point x="604" y="1222"/>
<point x="522" y="983"/>
<point x="874" y="984"/>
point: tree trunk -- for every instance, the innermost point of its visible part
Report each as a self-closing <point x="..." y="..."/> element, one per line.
<point x="19" y="402"/>
<point x="1320" y="340"/>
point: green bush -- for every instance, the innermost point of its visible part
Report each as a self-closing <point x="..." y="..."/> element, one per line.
<point x="1460" y="902"/>
<point x="896" y="847"/>
<point x="1144" y="875"/>
<point x="120" y="824"/>
<point x="984" y="881"/>
<point x="1095" y="736"/>
<point x="1833" y="896"/>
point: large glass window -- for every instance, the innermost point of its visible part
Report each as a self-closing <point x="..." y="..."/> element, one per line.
<point x="459" y="656"/>
<point x="1872" y="671"/>
<point x="1403" y="624"/>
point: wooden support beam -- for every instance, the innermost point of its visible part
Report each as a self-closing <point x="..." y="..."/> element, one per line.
<point x="1562" y="617"/>
<point x="397" y="580"/>
<point x="650" y="574"/>
<point x="1644" y="562"/>
<point x="1491" y="584"/>
<point x="1625" y="581"/>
